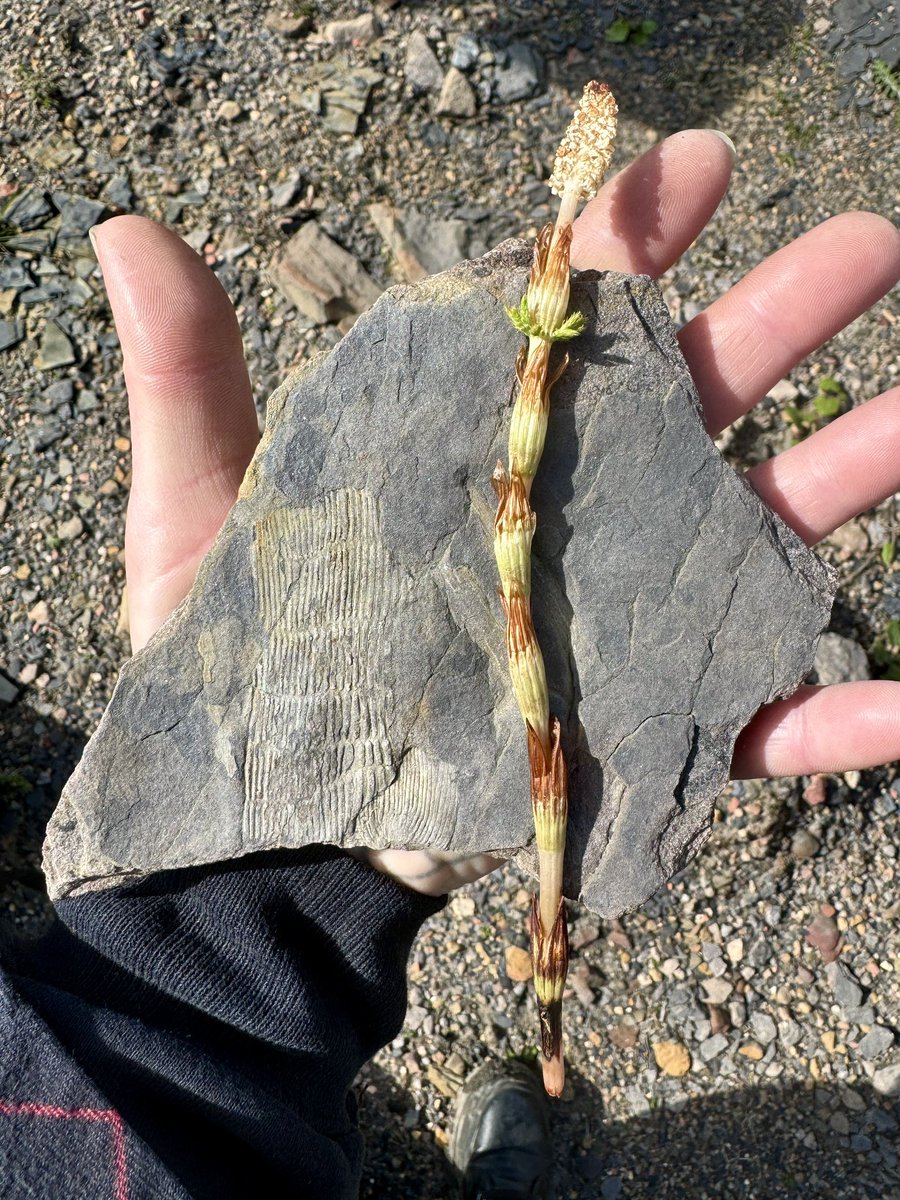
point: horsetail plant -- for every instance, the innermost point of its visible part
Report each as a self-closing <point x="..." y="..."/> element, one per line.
<point x="581" y="163"/>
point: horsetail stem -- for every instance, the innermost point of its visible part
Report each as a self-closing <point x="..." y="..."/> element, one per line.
<point x="581" y="162"/>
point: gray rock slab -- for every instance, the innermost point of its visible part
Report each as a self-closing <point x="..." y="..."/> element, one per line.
<point x="338" y="673"/>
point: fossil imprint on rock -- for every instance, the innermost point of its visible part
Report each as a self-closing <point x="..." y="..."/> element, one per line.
<point x="338" y="672"/>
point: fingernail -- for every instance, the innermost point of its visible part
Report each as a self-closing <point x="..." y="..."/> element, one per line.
<point x="727" y="140"/>
<point x="93" y="241"/>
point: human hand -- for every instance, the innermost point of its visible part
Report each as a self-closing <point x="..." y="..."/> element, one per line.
<point x="194" y="428"/>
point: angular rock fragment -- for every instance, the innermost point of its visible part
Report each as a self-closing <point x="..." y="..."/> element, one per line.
<point x="457" y="98"/>
<point x="341" y="89"/>
<point x="420" y="243"/>
<point x="56" y="349"/>
<point x="320" y="278"/>
<point x="11" y="333"/>
<point x="519" y="75"/>
<point x="339" y="674"/>
<point x="422" y="70"/>
<point x="356" y="31"/>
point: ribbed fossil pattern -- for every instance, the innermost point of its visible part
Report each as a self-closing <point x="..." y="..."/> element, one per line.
<point x="319" y="705"/>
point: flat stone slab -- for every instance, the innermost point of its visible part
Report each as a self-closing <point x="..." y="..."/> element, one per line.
<point x="338" y="673"/>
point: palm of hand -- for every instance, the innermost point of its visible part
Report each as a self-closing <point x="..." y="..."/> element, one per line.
<point x="194" y="425"/>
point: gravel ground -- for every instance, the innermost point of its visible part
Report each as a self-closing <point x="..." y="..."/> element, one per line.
<point x="714" y="1049"/>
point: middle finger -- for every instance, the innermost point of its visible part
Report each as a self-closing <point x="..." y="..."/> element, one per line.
<point x="786" y="307"/>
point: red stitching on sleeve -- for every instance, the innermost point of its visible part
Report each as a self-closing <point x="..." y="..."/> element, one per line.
<point x="106" y="1116"/>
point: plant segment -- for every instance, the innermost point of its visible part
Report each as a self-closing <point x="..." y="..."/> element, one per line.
<point x="581" y="163"/>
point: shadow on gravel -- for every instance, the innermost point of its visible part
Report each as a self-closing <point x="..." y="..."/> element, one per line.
<point x="37" y="756"/>
<point x="758" y="1143"/>
<point x="402" y="1161"/>
<point x="699" y="57"/>
<point x="754" y="1143"/>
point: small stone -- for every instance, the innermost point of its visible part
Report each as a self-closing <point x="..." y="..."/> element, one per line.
<point x="28" y="674"/>
<point x="864" y="1015"/>
<point x="717" y="990"/>
<point x="829" y="1040"/>
<point x="886" y="1080"/>
<point x="710" y="951"/>
<point x="804" y="845"/>
<point x="229" y="110"/>
<point x="737" y="1011"/>
<point x="284" y="194"/>
<point x="752" y="1051"/>
<point x="735" y="950"/>
<point x="8" y="690"/>
<point x="118" y="192"/>
<point x="840" y="1123"/>
<point x="764" y="1028"/>
<point x="358" y="30"/>
<point x="56" y="350"/>
<point x="611" y="1188"/>
<point x="11" y="333"/>
<point x="584" y="933"/>
<point x="760" y="952"/>
<point x="457" y="98"/>
<point x="287" y="26"/>
<point x="122" y="444"/>
<point x="518" y="963"/>
<point x="845" y="987"/>
<point x="816" y="791"/>
<point x="823" y="933"/>
<point x="877" y="1041"/>
<point x="672" y="1058"/>
<point x="789" y="1032"/>
<point x="713" y="1046"/>
<point x="77" y="215"/>
<point x="624" y="1035"/>
<point x="465" y="52"/>
<point x="784" y="392"/>
<point x="67" y="531"/>
<point x="463" y="906"/>
<point x="852" y="61"/>
<point x="7" y="301"/>
<point x="423" y="71"/>
<point x="520" y="76"/>
<point x="852" y="1100"/>
<point x="58" y="394"/>
<point x="39" y="614"/>
<point x="840" y="660"/>
<point x="415" y="1016"/>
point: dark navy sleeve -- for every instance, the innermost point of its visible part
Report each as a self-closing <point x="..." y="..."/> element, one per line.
<point x="197" y="1033"/>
